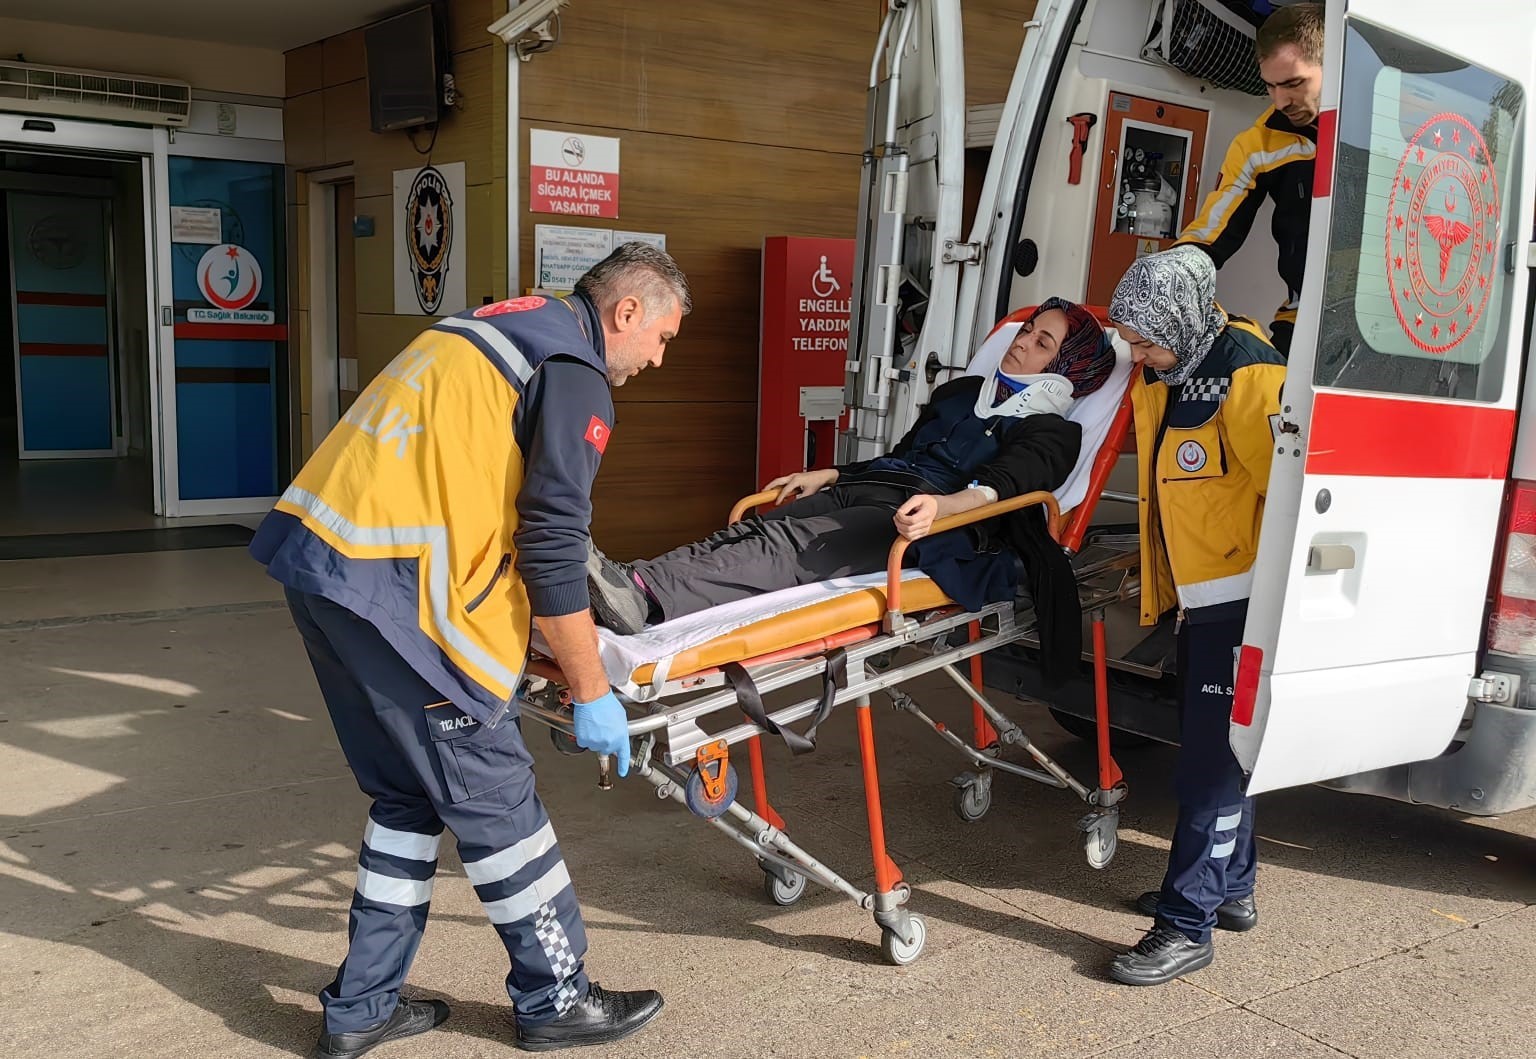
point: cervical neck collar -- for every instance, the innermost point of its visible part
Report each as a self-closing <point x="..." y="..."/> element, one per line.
<point x="1034" y="394"/>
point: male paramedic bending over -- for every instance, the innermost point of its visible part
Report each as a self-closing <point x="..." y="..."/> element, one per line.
<point x="450" y="505"/>
<point x="1273" y="158"/>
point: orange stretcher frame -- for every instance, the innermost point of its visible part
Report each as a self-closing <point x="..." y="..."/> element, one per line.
<point x="852" y="619"/>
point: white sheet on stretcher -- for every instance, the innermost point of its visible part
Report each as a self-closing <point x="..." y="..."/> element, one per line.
<point x="622" y="655"/>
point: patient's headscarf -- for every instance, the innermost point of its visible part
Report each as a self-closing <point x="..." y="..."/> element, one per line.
<point x="1170" y="298"/>
<point x="1085" y="358"/>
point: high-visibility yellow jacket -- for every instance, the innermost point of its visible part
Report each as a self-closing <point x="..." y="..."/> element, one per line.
<point x="1203" y="463"/>
<point x="452" y="502"/>
<point x="1270" y="159"/>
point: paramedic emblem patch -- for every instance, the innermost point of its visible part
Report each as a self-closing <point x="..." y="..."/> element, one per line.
<point x="1442" y="226"/>
<point x="510" y="305"/>
<point x="429" y="236"/>
<point x="598" y="434"/>
<point x="1191" y="456"/>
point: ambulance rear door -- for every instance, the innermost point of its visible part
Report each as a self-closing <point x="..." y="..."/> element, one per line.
<point x="1393" y="446"/>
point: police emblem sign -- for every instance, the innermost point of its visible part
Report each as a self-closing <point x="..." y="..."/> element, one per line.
<point x="429" y="240"/>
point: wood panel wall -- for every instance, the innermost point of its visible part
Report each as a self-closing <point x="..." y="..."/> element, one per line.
<point x="325" y="124"/>
<point x="737" y="122"/>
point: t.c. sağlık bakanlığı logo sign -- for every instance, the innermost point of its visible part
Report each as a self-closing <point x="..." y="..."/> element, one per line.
<point x="229" y="277"/>
<point x="429" y="235"/>
<point x="1442" y="229"/>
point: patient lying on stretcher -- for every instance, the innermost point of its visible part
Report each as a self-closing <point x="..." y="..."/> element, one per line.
<point x="978" y="440"/>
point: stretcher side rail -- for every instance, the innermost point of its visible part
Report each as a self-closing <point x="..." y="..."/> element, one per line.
<point x="894" y="619"/>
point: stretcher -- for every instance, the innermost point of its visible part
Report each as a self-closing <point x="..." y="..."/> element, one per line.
<point x="696" y="687"/>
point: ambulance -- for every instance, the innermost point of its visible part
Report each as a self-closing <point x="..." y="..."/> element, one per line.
<point x="1390" y="647"/>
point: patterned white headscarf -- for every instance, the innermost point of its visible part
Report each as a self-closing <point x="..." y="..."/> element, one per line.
<point x="1170" y="298"/>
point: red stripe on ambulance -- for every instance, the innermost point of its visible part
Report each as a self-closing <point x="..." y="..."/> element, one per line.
<point x="1327" y="143"/>
<point x="1373" y="437"/>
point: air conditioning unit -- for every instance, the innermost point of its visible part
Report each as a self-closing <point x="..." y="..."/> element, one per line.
<point x="92" y="94"/>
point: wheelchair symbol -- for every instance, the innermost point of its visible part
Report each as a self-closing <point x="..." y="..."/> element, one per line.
<point x="823" y="283"/>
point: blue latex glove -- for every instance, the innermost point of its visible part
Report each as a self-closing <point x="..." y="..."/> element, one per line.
<point x="603" y="726"/>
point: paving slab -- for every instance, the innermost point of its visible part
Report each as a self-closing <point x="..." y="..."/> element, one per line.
<point x="1465" y="994"/>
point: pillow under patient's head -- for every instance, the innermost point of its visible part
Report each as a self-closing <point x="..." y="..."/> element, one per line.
<point x="1086" y="357"/>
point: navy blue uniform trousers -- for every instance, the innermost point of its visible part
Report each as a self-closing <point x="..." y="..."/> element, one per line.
<point x="1213" y="859"/>
<point x="426" y="765"/>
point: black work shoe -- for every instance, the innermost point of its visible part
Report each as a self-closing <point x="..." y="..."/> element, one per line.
<point x="1237" y="915"/>
<point x="1162" y="955"/>
<point x="409" y="1018"/>
<point x="602" y="1017"/>
<point x="617" y="602"/>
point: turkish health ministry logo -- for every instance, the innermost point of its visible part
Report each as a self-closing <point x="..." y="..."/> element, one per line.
<point x="429" y="236"/>
<point x="229" y="277"/>
<point x="1442" y="228"/>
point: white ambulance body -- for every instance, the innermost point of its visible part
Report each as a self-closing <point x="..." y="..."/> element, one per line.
<point x="1391" y="639"/>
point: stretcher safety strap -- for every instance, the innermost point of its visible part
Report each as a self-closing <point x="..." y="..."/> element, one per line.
<point x="833" y="678"/>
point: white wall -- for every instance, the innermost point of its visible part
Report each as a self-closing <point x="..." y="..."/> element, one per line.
<point x="211" y="67"/>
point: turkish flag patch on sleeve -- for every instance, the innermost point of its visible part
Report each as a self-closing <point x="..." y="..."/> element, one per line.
<point x="597" y="435"/>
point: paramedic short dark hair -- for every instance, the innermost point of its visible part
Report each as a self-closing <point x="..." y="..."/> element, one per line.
<point x="640" y="269"/>
<point x="1298" y="24"/>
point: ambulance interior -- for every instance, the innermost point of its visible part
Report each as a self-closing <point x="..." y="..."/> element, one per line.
<point x="1153" y="151"/>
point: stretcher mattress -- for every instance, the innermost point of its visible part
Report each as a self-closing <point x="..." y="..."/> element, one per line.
<point x="752" y="627"/>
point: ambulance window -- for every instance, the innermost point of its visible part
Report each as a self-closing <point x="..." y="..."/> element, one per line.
<point x="1416" y="297"/>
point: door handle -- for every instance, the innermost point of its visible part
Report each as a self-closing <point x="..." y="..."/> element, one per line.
<point x="1328" y="558"/>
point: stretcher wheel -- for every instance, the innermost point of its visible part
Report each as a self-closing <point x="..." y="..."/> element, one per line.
<point x="1101" y="837"/>
<point x="565" y="742"/>
<point x="700" y="803"/>
<point x="972" y="801"/>
<point x="899" y="952"/>
<point x="783" y="893"/>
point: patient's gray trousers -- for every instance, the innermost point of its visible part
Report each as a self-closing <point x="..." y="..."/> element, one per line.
<point x="838" y="532"/>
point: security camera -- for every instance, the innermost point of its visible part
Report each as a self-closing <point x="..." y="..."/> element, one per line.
<point x="525" y="18"/>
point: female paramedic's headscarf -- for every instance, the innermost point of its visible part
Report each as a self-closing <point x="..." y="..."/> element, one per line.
<point x="1170" y="298"/>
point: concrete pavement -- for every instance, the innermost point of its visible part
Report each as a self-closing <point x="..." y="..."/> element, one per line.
<point x="178" y="835"/>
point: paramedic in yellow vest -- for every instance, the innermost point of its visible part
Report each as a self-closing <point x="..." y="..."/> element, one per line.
<point x="1273" y="158"/>
<point x="1205" y="407"/>
<point x="448" y="510"/>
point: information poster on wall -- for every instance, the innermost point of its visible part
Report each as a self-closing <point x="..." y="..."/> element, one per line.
<point x="429" y="240"/>
<point x="197" y="224"/>
<point x="573" y="174"/>
<point x="561" y="253"/>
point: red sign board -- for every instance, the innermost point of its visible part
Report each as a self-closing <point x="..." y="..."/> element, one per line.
<point x="573" y="175"/>
<point x="807" y="297"/>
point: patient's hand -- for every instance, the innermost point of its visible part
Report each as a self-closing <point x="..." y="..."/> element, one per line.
<point x="915" y="518"/>
<point x="802" y="483"/>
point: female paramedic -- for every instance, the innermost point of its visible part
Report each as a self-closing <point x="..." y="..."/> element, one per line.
<point x="980" y="438"/>
<point x="1204" y="405"/>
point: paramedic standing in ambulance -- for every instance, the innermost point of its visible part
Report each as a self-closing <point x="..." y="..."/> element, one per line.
<point x="1273" y="158"/>
<point x="448" y="509"/>
<point x="1204" y="406"/>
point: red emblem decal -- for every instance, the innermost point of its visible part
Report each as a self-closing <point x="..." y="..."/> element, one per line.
<point x="598" y="434"/>
<point x="1443" y="222"/>
<point x="510" y="305"/>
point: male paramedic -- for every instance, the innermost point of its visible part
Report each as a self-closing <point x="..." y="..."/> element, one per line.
<point x="449" y="507"/>
<point x="1273" y="158"/>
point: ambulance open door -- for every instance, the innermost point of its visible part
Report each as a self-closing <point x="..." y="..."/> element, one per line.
<point x="1398" y="413"/>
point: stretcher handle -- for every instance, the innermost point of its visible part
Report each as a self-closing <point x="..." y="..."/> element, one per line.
<point x="965" y="518"/>
<point x="747" y="503"/>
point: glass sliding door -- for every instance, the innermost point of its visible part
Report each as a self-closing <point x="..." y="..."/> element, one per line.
<point x="229" y="289"/>
<point x="61" y="310"/>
